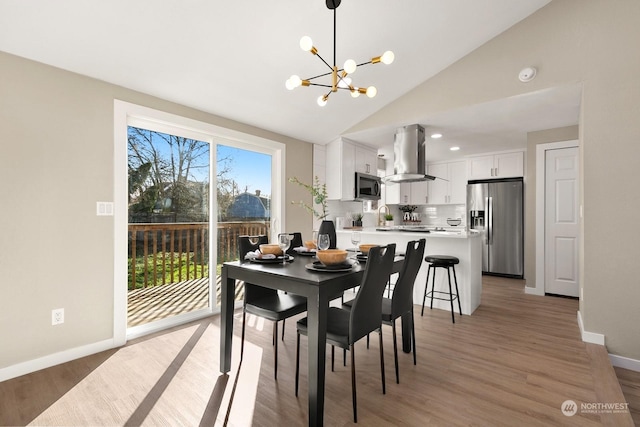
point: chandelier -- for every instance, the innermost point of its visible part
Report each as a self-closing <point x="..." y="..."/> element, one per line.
<point x="339" y="79"/>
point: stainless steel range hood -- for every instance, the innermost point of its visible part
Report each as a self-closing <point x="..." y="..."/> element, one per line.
<point x="409" y="156"/>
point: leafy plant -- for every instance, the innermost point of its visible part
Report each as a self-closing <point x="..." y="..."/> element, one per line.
<point x="388" y="217"/>
<point x="318" y="192"/>
<point x="408" y="208"/>
<point x="357" y="217"/>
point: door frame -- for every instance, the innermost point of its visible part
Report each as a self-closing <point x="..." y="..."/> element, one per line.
<point x="124" y="114"/>
<point x="541" y="149"/>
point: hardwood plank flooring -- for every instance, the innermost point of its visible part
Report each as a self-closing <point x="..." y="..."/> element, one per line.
<point x="513" y="362"/>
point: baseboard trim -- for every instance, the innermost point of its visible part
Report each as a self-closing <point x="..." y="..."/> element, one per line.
<point x="625" y="362"/>
<point x="54" y="359"/>
<point x="590" y="337"/>
<point x="533" y="291"/>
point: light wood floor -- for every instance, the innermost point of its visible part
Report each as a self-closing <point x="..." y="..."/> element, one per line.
<point x="513" y="362"/>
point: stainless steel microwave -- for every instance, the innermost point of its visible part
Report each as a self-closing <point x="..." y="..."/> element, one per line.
<point x="368" y="187"/>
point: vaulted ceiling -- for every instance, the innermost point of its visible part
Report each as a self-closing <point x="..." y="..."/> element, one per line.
<point x="232" y="58"/>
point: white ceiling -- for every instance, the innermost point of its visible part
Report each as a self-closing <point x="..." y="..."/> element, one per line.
<point x="232" y="58"/>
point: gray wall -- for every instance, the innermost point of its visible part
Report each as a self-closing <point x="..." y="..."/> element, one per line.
<point x="56" y="162"/>
<point x="595" y="43"/>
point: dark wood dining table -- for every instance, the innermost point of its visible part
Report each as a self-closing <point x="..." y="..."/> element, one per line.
<point x="318" y="287"/>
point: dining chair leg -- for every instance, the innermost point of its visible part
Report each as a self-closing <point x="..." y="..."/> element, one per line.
<point x="297" y="361"/>
<point x="344" y="357"/>
<point x="353" y="383"/>
<point x="275" y="350"/>
<point x="333" y="351"/>
<point x="244" y="323"/>
<point x="384" y="387"/>
<point x="395" y="350"/>
<point x="413" y="337"/>
<point x="367" y="341"/>
<point x="283" y="323"/>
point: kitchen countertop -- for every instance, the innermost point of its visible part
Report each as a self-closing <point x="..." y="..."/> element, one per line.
<point x="422" y="231"/>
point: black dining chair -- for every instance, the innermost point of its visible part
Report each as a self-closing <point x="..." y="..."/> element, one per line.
<point x="402" y="300"/>
<point x="346" y="327"/>
<point x="296" y="242"/>
<point x="264" y="302"/>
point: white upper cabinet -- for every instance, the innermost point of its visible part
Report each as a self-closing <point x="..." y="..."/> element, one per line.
<point x="450" y="185"/>
<point x="406" y="193"/>
<point x="366" y="160"/>
<point x="499" y="165"/>
<point x="344" y="159"/>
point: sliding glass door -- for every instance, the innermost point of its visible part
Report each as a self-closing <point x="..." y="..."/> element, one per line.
<point x="244" y="201"/>
<point x="168" y="225"/>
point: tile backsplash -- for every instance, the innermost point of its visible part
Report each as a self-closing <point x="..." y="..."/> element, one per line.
<point x="432" y="215"/>
<point x="437" y="215"/>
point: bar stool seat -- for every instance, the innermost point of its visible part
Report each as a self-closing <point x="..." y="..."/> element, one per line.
<point x="448" y="262"/>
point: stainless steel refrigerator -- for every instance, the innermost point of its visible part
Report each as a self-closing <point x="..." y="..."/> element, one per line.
<point x="496" y="209"/>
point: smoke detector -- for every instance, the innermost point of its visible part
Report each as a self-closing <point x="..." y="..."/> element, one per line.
<point x="527" y="74"/>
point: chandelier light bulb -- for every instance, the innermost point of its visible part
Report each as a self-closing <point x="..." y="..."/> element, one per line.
<point x="322" y="100"/>
<point x="344" y="82"/>
<point x="289" y="85"/>
<point x="371" y="91"/>
<point x="355" y="93"/>
<point x="293" y="82"/>
<point x="306" y="43"/>
<point x="387" y="57"/>
<point x="350" y="66"/>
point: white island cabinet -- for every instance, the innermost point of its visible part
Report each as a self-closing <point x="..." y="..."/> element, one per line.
<point x="466" y="246"/>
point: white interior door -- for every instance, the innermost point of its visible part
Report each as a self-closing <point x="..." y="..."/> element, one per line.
<point x="561" y="222"/>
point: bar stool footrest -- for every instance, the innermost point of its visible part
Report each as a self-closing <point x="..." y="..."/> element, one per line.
<point x="453" y="297"/>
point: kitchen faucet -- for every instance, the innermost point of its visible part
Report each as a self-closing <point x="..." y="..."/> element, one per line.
<point x="386" y="208"/>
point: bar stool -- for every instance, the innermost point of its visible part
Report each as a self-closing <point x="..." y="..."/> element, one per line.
<point x="442" y="261"/>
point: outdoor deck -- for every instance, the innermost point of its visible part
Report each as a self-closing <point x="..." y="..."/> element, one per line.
<point x="154" y="303"/>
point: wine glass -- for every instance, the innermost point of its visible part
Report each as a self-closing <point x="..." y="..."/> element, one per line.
<point x="284" y="242"/>
<point x="355" y="239"/>
<point x="323" y="242"/>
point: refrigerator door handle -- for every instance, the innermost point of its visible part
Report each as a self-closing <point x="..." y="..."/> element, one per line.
<point x="489" y="226"/>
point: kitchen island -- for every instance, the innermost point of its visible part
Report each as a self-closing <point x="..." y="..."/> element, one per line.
<point x="467" y="246"/>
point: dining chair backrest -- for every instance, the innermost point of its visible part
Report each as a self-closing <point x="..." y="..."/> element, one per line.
<point x="248" y="244"/>
<point x="296" y="242"/>
<point x="366" y="310"/>
<point x="402" y="300"/>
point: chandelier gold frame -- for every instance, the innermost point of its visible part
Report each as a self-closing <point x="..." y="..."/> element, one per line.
<point x="339" y="79"/>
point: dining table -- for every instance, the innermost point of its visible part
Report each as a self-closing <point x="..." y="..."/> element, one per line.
<point x="299" y="277"/>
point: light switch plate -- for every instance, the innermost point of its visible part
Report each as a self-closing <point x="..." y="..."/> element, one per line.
<point x="104" y="208"/>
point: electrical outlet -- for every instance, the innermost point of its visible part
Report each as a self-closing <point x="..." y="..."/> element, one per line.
<point x="57" y="316"/>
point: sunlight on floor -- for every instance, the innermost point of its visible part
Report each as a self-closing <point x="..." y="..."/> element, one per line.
<point x="161" y="379"/>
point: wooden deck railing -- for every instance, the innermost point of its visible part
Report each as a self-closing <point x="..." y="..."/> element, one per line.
<point x="172" y="252"/>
